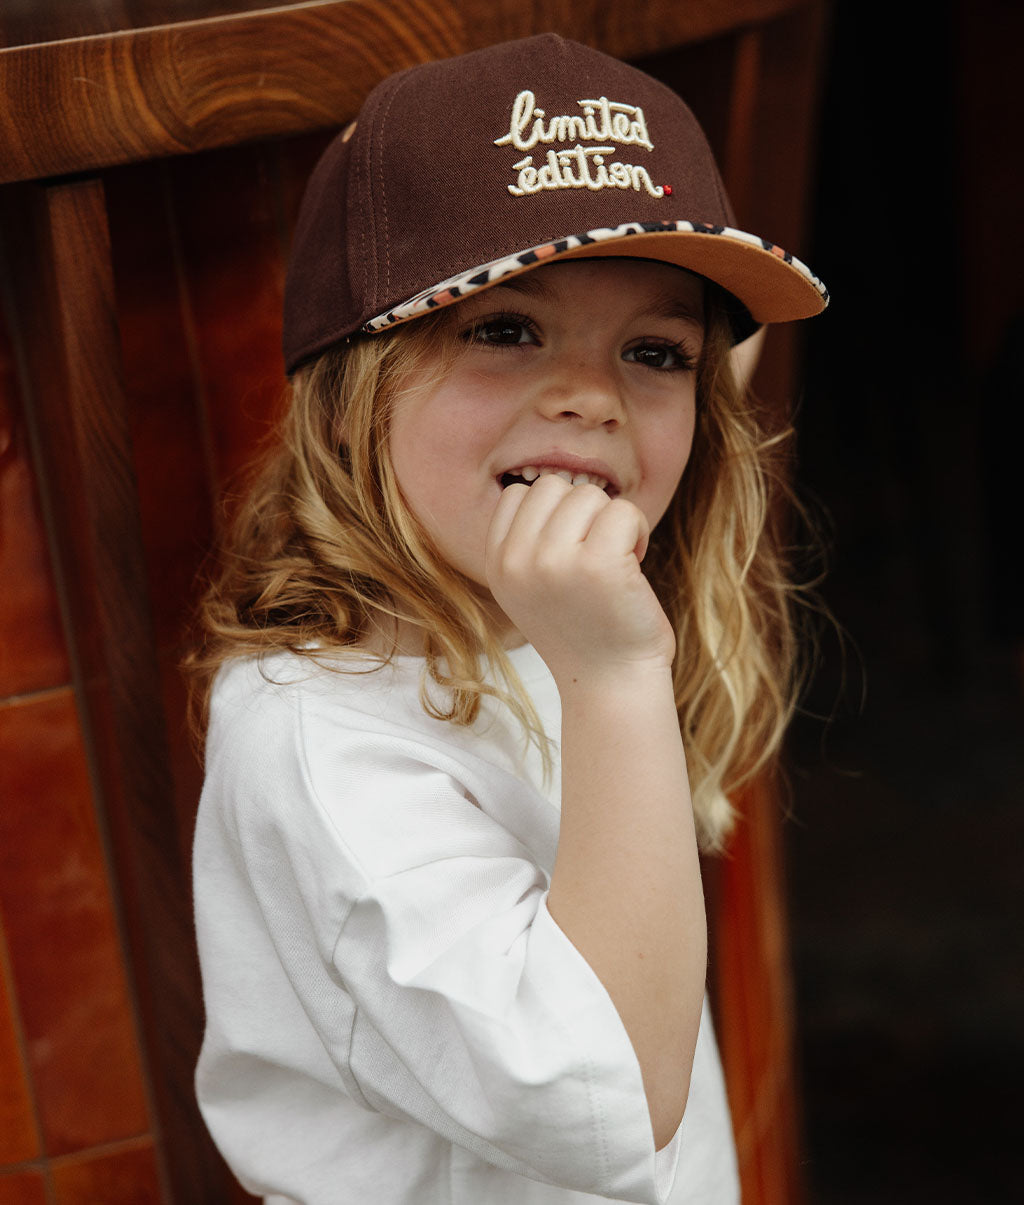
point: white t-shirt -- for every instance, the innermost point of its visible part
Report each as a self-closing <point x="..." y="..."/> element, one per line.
<point x="393" y="1017"/>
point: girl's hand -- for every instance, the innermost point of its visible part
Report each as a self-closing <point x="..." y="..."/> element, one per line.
<point x="563" y="563"/>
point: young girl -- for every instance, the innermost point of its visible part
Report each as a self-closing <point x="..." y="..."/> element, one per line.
<point x="501" y="625"/>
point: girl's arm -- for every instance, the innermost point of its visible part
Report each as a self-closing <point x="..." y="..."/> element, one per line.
<point x="626" y="890"/>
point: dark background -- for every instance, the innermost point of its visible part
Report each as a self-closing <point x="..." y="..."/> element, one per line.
<point x="905" y="843"/>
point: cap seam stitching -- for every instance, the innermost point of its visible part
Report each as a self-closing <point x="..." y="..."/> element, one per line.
<point x="375" y="144"/>
<point x="364" y="257"/>
<point x="383" y="195"/>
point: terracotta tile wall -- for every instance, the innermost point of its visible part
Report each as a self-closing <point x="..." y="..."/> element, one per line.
<point x="73" y="1113"/>
<point x="198" y="249"/>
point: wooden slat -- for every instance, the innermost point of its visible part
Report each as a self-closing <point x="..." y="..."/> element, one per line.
<point x="755" y="1005"/>
<point x="93" y="102"/>
<point x="27" y="22"/>
<point x="61" y="306"/>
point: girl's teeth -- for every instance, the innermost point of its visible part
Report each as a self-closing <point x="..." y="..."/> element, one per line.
<point x="530" y="473"/>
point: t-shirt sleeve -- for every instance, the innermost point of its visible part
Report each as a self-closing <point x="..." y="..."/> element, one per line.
<point x="496" y="1033"/>
<point x="414" y="930"/>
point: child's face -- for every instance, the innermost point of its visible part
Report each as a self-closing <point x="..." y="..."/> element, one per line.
<point x="585" y="366"/>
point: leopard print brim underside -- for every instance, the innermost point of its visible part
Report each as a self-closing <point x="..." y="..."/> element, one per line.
<point x="478" y="278"/>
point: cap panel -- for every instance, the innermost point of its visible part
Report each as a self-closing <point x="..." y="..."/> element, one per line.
<point x="465" y="169"/>
<point x="370" y="229"/>
<point x="319" y="301"/>
<point x="486" y="157"/>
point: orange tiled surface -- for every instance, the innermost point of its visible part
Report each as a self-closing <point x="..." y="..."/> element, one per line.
<point x="127" y="1176"/>
<point x="58" y="921"/>
<point x="18" y="1139"/>
<point x="69" y="1069"/>
<point x="22" y="1188"/>
<point x="199" y="293"/>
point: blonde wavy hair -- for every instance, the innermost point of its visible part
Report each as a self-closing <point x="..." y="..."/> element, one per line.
<point x="324" y="553"/>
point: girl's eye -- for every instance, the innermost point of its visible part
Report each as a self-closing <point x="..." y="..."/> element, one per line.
<point x="504" y="330"/>
<point x="670" y="357"/>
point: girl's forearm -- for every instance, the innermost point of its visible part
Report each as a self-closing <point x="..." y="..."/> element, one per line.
<point x="626" y="885"/>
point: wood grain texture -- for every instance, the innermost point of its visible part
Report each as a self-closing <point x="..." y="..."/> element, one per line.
<point x="64" y="321"/>
<point x="32" y="653"/>
<point x="27" y="22"/>
<point x="120" y="97"/>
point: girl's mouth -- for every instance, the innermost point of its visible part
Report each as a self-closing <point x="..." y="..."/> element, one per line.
<point x="529" y="473"/>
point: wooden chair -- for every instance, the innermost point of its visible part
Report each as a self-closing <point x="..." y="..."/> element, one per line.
<point x="150" y="169"/>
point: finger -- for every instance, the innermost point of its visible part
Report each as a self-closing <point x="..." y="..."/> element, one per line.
<point x="620" y="527"/>
<point x="570" y="520"/>
<point x="512" y="498"/>
<point x="534" y="511"/>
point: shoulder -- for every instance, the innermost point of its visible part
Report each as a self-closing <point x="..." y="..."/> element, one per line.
<point x="344" y="723"/>
<point x="316" y="755"/>
<point x="343" y="755"/>
<point x="285" y="706"/>
<point x="280" y="686"/>
<point x="275" y="700"/>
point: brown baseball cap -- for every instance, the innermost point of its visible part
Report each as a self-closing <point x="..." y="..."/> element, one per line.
<point x="464" y="171"/>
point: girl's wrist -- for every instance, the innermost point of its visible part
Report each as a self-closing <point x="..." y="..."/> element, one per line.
<point x="625" y="682"/>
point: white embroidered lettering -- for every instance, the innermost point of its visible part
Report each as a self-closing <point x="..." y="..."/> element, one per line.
<point x="550" y="175"/>
<point x="567" y="129"/>
<point x="604" y="121"/>
<point x="619" y="122"/>
<point x="565" y="162"/>
<point x="642" y="179"/>
<point x="591" y="172"/>
<point x="527" y="177"/>
<point x="522" y="112"/>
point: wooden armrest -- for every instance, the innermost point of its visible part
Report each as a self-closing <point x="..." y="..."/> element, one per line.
<point x="112" y="96"/>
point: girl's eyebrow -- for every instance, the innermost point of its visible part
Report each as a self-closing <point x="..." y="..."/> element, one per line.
<point x="528" y="283"/>
<point x="671" y="305"/>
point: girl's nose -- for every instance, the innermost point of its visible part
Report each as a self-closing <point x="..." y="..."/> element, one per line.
<point x="584" y="393"/>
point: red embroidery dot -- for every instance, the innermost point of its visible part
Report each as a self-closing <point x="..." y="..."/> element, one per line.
<point x="668" y="190"/>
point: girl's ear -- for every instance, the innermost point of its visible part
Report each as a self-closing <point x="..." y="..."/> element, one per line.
<point x="744" y="357"/>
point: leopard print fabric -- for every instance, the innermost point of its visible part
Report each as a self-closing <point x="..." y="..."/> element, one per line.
<point x="468" y="282"/>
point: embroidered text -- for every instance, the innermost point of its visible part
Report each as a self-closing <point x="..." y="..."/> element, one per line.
<point x="603" y="121"/>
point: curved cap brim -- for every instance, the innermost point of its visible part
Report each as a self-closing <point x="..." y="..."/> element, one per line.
<point x="773" y="285"/>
